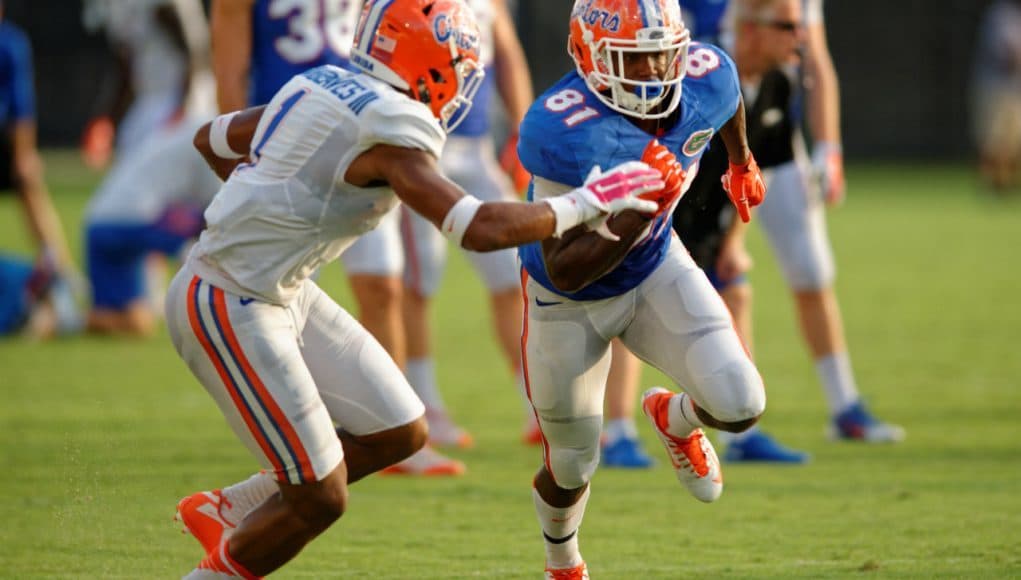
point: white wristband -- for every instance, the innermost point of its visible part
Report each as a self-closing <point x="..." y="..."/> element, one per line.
<point x="457" y="220"/>
<point x="568" y="211"/>
<point x="218" y="137"/>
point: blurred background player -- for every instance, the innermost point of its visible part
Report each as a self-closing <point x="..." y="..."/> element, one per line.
<point x="469" y="159"/>
<point x="31" y="284"/>
<point x="258" y="45"/>
<point x="996" y="95"/>
<point x="151" y="201"/>
<point x="641" y="89"/>
<point x="793" y="218"/>
<point x="151" y="44"/>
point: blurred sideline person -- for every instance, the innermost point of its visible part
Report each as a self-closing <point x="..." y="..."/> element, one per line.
<point x="39" y="292"/>
<point x="642" y="90"/>
<point x="795" y="225"/>
<point x="996" y="95"/>
<point x="765" y="49"/>
<point x="258" y="45"/>
<point x="304" y="386"/>
<point x="469" y="159"/>
<point x="150" y="203"/>
<point x="145" y="92"/>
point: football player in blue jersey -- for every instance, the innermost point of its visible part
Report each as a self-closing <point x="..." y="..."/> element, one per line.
<point x="642" y="90"/>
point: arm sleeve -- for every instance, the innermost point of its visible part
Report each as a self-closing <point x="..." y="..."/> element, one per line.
<point x="23" y="82"/>
<point x="401" y="123"/>
<point x="813" y="12"/>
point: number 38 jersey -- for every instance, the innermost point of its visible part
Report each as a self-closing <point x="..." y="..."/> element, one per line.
<point x="567" y="132"/>
<point x="278" y="219"/>
<point x="292" y="36"/>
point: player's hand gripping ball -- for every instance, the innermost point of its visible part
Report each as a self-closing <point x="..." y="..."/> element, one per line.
<point x="745" y="187"/>
<point x="657" y="156"/>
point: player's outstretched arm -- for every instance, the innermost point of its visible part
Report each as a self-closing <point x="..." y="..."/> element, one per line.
<point x="226" y="141"/>
<point x="482" y="227"/>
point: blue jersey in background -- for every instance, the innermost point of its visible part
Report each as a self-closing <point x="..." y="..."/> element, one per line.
<point x="290" y="37"/>
<point x="17" y="92"/>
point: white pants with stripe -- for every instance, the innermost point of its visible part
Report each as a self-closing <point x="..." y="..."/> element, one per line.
<point x="674" y="320"/>
<point x="284" y="376"/>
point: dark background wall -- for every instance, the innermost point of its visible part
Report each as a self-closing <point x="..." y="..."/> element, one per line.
<point x="904" y="68"/>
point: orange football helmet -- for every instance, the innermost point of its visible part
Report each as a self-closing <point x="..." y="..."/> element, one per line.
<point x="604" y="32"/>
<point x="429" y="48"/>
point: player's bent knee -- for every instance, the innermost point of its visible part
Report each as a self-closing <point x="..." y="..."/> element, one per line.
<point x="377" y="290"/>
<point x="573" y="450"/>
<point x="744" y="400"/>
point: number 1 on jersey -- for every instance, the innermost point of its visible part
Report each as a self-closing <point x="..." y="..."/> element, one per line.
<point x="567" y="99"/>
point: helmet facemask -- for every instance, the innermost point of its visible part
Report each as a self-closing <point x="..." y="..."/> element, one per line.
<point x="469" y="75"/>
<point x="634" y="97"/>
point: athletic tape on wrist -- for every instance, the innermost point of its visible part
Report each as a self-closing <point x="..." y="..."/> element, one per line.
<point x="457" y="220"/>
<point x="567" y="210"/>
<point x="218" y="137"/>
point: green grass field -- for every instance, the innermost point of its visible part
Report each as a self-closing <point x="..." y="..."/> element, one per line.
<point x="101" y="437"/>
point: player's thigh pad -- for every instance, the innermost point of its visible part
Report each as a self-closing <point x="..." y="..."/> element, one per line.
<point x="425" y="253"/>
<point x="363" y="388"/>
<point x="246" y="354"/>
<point x="794" y="220"/>
<point x="682" y="327"/>
<point x="378" y="252"/>
<point x="566" y="361"/>
<point x="471" y="163"/>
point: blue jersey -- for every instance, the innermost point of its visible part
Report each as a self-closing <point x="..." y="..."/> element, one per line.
<point x="17" y="94"/>
<point x="292" y="36"/>
<point x="567" y="132"/>
<point x="704" y="18"/>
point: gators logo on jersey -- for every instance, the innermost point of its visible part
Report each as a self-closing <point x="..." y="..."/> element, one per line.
<point x="697" y="142"/>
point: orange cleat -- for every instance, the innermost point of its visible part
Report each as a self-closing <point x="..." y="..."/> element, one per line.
<point x="202" y="516"/>
<point x="579" y="572"/>
<point x="427" y="461"/>
<point x="693" y="457"/>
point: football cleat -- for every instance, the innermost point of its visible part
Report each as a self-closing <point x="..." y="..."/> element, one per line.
<point x="427" y="461"/>
<point x="855" y="423"/>
<point x="695" y="462"/>
<point x="626" y="453"/>
<point x="760" y="447"/>
<point x="201" y="514"/>
<point x="444" y="433"/>
<point x="579" y="572"/>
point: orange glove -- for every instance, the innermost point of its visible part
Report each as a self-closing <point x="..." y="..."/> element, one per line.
<point x="511" y="165"/>
<point x="745" y="187"/>
<point x="97" y="142"/>
<point x="657" y="156"/>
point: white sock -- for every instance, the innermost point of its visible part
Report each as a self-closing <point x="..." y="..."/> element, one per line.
<point x="247" y="495"/>
<point x="561" y="525"/>
<point x="837" y="380"/>
<point x="421" y="373"/>
<point x="682" y="417"/>
<point x="617" y="429"/>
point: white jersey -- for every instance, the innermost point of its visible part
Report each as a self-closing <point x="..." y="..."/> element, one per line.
<point x="165" y="170"/>
<point x="280" y="218"/>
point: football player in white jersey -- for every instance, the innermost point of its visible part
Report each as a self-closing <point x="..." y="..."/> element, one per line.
<point x="469" y="159"/>
<point x="304" y="386"/>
